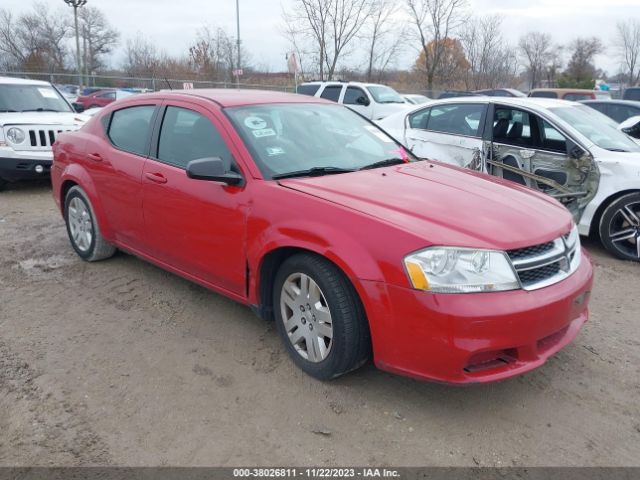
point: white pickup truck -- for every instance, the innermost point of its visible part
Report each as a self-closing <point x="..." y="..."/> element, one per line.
<point x="32" y="114"/>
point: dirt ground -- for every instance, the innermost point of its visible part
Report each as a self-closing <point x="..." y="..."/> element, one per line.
<point x="121" y="363"/>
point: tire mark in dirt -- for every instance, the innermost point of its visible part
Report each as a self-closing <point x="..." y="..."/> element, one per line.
<point x="54" y="428"/>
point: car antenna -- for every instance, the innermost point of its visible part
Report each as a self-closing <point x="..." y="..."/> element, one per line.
<point x="168" y="83"/>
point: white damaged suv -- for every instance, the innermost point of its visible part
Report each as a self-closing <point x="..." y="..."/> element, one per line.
<point x="32" y="114"/>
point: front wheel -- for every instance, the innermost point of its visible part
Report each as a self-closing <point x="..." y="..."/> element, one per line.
<point x="320" y="317"/>
<point x="82" y="227"/>
<point x="620" y="227"/>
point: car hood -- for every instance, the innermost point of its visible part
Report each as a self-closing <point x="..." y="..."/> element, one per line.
<point x="42" y="118"/>
<point x="444" y="205"/>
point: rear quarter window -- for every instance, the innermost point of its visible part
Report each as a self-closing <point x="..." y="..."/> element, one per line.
<point x="544" y="94"/>
<point x="307" y="89"/>
<point x="129" y="128"/>
<point x="332" y="92"/>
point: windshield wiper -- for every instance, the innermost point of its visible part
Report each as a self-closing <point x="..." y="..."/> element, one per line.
<point x="9" y="111"/>
<point x="618" y="150"/>
<point x="41" y="110"/>
<point x="312" y="172"/>
<point x="384" y="163"/>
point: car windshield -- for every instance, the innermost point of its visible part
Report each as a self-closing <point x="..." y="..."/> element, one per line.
<point x="383" y="94"/>
<point x="288" y="138"/>
<point x="597" y="127"/>
<point x="31" y="98"/>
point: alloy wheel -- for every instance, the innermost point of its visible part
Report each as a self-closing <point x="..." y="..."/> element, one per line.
<point x="306" y="317"/>
<point x="80" y="224"/>
<point x="624" y="230"/>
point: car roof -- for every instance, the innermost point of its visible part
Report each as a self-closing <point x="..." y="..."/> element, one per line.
<point x="634" y="103"/>
<point x="22" y="81"/>
<point x="566" y="90"/>
<point x="234" y="97"/>
<point x="537" y="102"/>
<point x="341" y="82"/>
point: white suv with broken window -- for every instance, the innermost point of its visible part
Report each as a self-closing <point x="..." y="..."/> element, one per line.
<point x="32" y="113"/>
<point x="565" y="149"/>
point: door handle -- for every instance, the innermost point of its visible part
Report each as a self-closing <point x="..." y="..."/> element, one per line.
<point x="94" y="156"/>
<point x="156" y="177"/>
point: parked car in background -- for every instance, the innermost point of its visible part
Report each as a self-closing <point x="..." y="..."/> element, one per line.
<point x="371" y="100"/>
<point x="101" y="98"/>
<point x="319" y="220"/>
<point x="500" y="92"/>
<point x="564" y="149"/>
<point x="456" y="93"/>
<point x="632" y="93"/>
<point x="618" y="110"/>
<point x="32" y="114"/>
<point x="572" y="94"/>
<point x="416" y="99"/>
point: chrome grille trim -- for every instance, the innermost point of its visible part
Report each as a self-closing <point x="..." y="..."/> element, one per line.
<point x="539" y="270"/>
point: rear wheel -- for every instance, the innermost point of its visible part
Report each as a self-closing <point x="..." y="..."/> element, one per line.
<point x="82" y="227"/>
<point x="620" y="227"/>
<point x="320" y="317"/>
<point x="3" y="183"/>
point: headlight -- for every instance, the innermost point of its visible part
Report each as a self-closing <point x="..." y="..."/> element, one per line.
<point x="460" y="270"/>
<point x="15" y="135"/>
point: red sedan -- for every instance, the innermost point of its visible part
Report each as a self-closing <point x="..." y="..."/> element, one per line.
<point x="317" y="219"/>
<point x="101" y="98"/>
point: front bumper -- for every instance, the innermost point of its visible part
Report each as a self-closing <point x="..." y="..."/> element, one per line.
<point x="19" y="168"/>
<point x="475" y="338"/>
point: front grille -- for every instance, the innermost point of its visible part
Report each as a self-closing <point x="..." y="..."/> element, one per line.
<point x="530" y="251"/>
<point x="531" y="277"/>
<point x="43" y="138"/>
<point x="542" y="265"/>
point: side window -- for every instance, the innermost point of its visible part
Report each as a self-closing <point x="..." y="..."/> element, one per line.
<point x="552" y="139"/>
<point x="576" y="97"/>
<point x="129" y="128"/>
<point x="622" y="112"/>
<point x="512" y="127"/>
<point x="419" y="119"/>
<point x="459" y="119"/>
<point x="352" y="94"/>
<point x="308" y="89"/>
<point x="186" y="135"/>
<point x="332" y="92"/>
<point x="108" y="95"/>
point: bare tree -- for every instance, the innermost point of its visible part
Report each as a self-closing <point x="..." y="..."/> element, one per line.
<point x="492" y="62"/>
<point x="581" y="71"/>
<point x="34" y="40"/>
<point x="628" y="44"/>
<point x="435" y="21"/>
<point x="214" y="54"/>
<point x="98" y="35"/>
<point x="326" y="28"/>
<point x="535" y="48"/>
<point x="382" y="37"/>
<point x="141" y="57"/>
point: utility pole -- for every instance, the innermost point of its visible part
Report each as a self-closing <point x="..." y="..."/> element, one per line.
<point x="77" y="4"/>
<point x="238" y="67"/>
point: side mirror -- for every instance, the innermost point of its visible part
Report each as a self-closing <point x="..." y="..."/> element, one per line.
<point x="78" y="107"/>
<point x="631" y="126"/>
<point x="362" y="100"/>
<point x="212" y="169"/>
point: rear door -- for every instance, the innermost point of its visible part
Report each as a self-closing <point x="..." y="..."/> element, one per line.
<point x="357" y="99"/>
<point x="450" y="133"/>
<point x="528" y="149"/>
<point x="116" y="168"/>
<point x="195" y="226"/>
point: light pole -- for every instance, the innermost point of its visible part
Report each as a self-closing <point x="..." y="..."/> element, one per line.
<point x="76" y="4"/>
<point x="238" y="68"/>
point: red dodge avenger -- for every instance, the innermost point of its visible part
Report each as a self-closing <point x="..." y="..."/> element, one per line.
<point x="317" y="219"/>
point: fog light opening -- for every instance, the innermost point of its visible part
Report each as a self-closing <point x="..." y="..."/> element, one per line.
<point x="39" y="169"/>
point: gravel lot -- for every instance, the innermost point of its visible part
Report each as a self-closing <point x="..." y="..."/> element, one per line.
<point x="121" y="363"/>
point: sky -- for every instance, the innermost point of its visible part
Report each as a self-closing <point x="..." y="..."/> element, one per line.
<point x="172" y="25"/>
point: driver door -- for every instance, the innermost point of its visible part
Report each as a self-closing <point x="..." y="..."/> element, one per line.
<point x="529" y="150"/>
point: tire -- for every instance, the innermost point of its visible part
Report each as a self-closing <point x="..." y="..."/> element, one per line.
<point x="3" y="184"/>
<point x="337" y="310"/>
<point x="83" y="229"/>
<point x="619" y="227"/>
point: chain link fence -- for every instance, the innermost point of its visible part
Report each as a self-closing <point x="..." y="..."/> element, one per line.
<point x="141" y="83"/>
